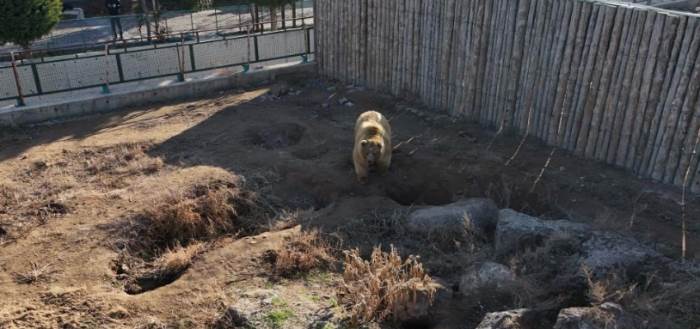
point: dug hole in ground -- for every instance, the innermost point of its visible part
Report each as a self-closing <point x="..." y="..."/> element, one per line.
<point x="241" y="210"/>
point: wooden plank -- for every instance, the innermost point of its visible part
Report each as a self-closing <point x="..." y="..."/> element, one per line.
<point x="675" y="87"/>
<point x="592" y="69"/>
<point x="527" y="77"/>
<point x="606" y="76"/>
<point x="659" y="116"/>
<point x="694" y="181"/>
<point x="569" y="95"/>
<point x="454" y="57"/>
<point x="691" y="115"/>
<point x="640" y="87"/>
<point x="404" y="20"/>
<point x="505" y="92"/>
<point x="516" y="60"/>
<point x="611" y="110"/>
<point x="667" y="159"/>
<point x="491" y="63"/>
<point x="396" y="54"/>
<point x="501" y="62"/>
<point x="537" y="69"/>
<point x="448" y="26"/>
<point x="463" y="102"/>
<point x="426" y="32"/>
<point x="624" y="118"/>
<point x="671" y="24"/>
<point x="416" y="42"/>
<point x="557" y="42"/>
<point x="474" y="68"/>
<point x="569" y="103"/>
<point x="541" y="113"/>
<point x="572" y="18"/>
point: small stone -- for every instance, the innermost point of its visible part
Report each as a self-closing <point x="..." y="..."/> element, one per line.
<point x="349" y="104"/>
<point x="118" y="312"/>
<point x="231" y="318"/>
<point x="343" y="101"/>
<point x="517" y="319"/>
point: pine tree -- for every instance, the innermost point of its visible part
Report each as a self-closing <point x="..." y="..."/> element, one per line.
<point x="23" y="21"/>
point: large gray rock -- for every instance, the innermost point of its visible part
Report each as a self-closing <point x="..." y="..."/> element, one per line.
<point x="605" y="316"/>
<point x="517" y="231"/>
<point x="456" y="219"/>
<point x="486" y="275"/>
<point x="517" y="319"/>
<point x="606" y="251"/>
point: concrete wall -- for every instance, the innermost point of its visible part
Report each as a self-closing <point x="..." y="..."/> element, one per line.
<point x="113" y="102"/>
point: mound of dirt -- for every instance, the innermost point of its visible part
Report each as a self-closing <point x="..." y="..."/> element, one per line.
<point x="276" y="136"/>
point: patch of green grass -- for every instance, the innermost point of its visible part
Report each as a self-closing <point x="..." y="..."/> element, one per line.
<point x="315" y="298"/>
<point x="322" y="277"/>
<point x="278" y="302"/>
<point x="329" y="325"/>
<point x="278" y="317"/>
<point x="333" y="302"/>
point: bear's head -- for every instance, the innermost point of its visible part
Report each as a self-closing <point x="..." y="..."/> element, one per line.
<point x="371" y="151"/>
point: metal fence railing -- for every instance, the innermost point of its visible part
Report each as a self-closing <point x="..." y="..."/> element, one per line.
<point x="46" y="76"/>
<point x="81" y="35"/>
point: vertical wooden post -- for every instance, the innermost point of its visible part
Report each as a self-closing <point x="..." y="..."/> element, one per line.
<point x="105" y="86"/>
<point x="20" y="97"/>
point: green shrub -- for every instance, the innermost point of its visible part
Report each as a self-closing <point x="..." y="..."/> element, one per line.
<point x="23" y="21"/>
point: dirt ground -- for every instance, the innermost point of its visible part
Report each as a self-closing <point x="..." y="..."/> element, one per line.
<point x="70" y="191"/>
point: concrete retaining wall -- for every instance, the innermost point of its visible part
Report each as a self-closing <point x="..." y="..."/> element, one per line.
<point x="37" y="114"/>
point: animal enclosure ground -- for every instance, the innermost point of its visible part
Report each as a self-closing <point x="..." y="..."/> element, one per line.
<point x="73" y="196"/>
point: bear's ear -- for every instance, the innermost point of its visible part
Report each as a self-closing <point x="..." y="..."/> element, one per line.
<point x="363" y="142"/>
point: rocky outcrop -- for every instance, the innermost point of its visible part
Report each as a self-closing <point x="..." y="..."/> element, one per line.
<point x="518" y="319"/>
<point x="486" y="275"/>
<point x="517" y="231"/>
<point x="605" y="316"/>
<point x="606" y="251"/>
<point x="475" y="216"/>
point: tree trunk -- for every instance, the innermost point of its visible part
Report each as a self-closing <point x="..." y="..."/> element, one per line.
<point x="144" y="10"/>
<point x="257" y="18"/>
<point x="273" y="18"/>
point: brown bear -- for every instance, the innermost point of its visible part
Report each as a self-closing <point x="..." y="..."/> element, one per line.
<point x="372" y="145"/>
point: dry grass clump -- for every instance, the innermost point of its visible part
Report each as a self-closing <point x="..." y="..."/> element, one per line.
<point x="385" y="287"/>
<point x="612" y="288"/>
<point x="9" y="196"/>
<point x="200" y="214"/>
<point x="122" y="159"/>
<point x="303" y="252"/>
<point x="176" y="260"/>
<point x="36" y="273"/>
<point x="670" y="303"/>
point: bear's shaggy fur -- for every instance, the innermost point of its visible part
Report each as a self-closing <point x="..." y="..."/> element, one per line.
<point x="372" y="144"/>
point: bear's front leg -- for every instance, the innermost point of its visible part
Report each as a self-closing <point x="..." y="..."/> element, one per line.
<point x="362" y="173"/>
